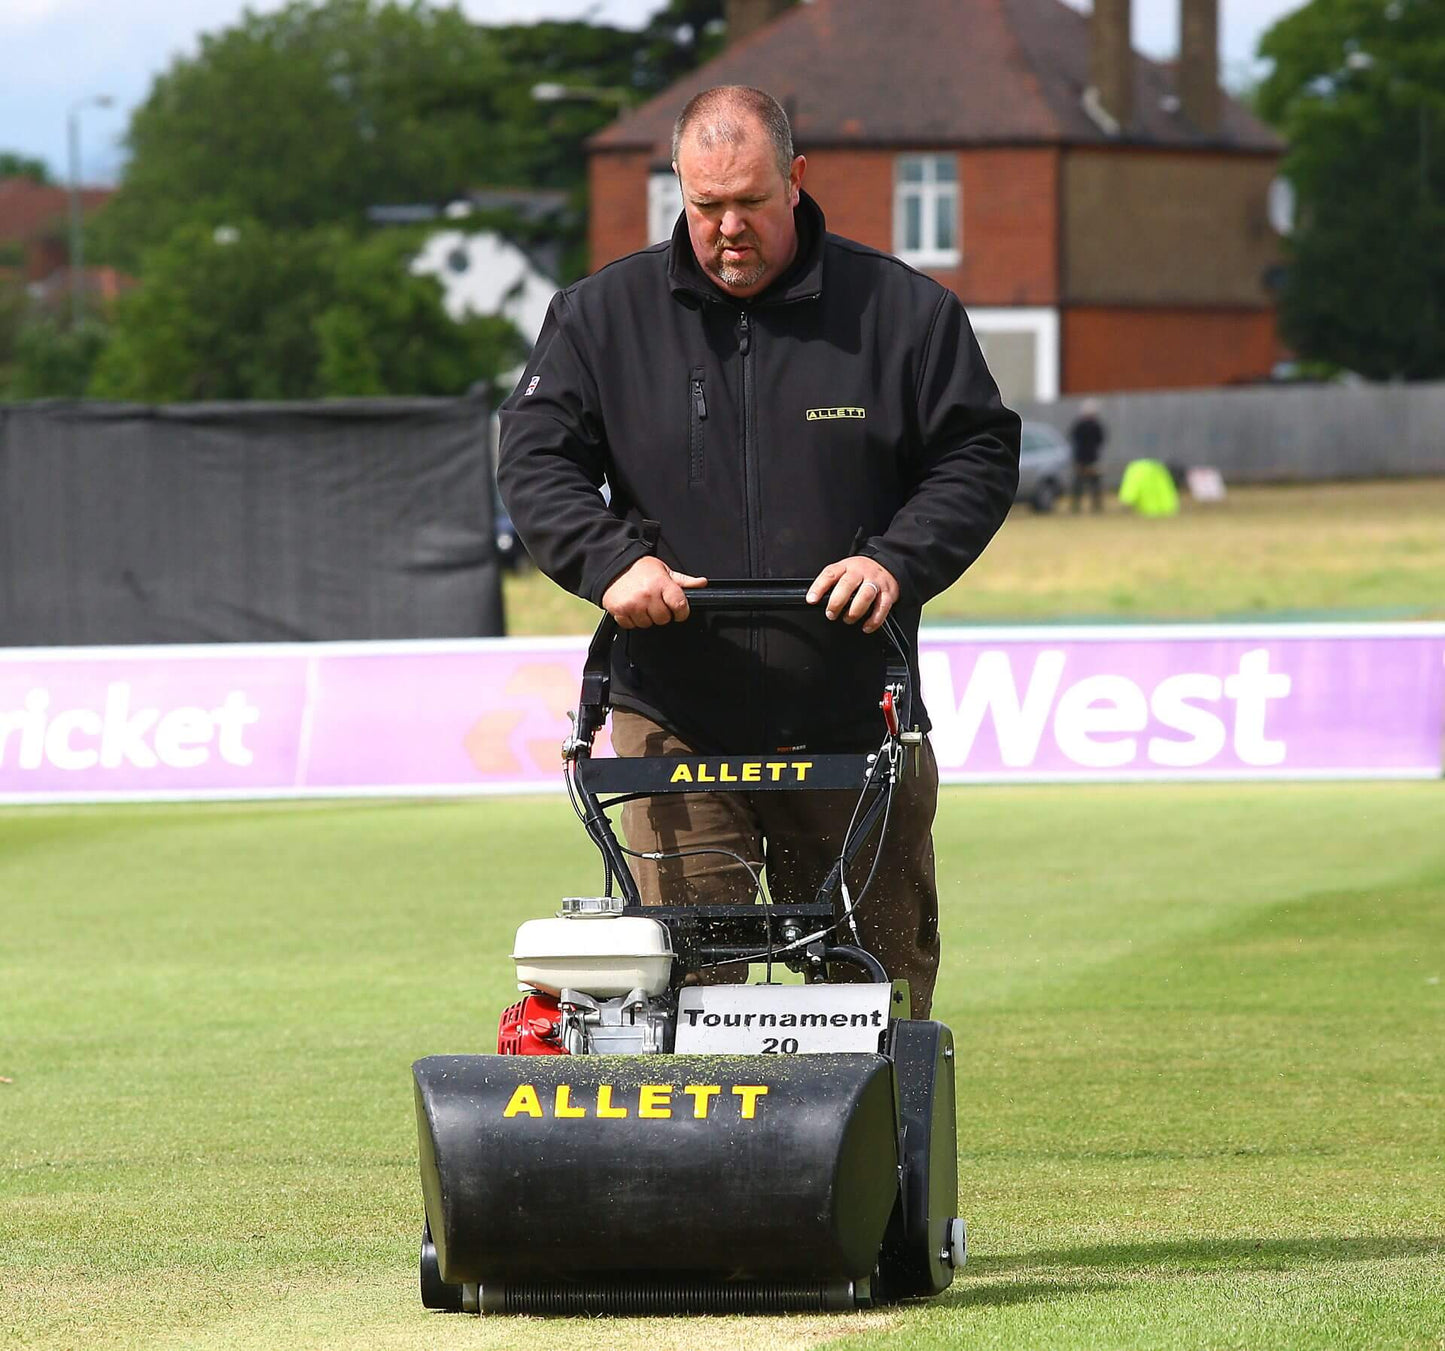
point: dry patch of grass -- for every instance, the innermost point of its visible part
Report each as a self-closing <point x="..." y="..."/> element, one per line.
<point x="368" y="1311"/>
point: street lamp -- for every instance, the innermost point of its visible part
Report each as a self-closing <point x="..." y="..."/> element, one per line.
<point x="562" y="93"/>
<point x="77" y="244"/>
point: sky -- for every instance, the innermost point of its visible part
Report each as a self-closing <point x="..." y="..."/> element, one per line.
<point x="56" y="53"/>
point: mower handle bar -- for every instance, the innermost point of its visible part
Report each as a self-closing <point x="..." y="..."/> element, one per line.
<point x="745" y="594"/>
<point x="750" y="595"/>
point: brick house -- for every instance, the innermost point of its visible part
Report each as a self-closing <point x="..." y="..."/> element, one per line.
<point x="35" y="224"/>
<point x="1104" y="217"/>
<point x="35" y="244"/>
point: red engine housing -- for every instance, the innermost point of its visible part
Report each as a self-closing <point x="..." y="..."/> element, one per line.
<point x="532" y="1026"/>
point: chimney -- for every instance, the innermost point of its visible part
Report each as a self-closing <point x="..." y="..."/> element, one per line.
<point x="1199" y="63"/>
<point x="747" y="16"/>
<point x="1111" y="63"/>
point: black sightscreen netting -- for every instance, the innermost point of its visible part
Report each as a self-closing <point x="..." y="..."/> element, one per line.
<point x="348" y="519"/>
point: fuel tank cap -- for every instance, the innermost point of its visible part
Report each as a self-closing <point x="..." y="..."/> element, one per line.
<point x="592" y="907"/>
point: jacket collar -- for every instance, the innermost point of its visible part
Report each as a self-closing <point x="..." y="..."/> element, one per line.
<point x="802" y="281"/>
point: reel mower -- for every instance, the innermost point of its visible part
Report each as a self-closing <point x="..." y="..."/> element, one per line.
<point x="645" y="1143"/>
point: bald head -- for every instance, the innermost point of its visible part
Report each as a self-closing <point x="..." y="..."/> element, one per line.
<point x="733" y="155"/>
<point x="732" y="115"/>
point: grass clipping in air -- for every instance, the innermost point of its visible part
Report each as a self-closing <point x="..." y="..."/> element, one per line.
<point x="1201" y="1061"/>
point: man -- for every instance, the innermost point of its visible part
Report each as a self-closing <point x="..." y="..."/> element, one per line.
<point x="1086" y="439"/>
<point x="765" y="400"/>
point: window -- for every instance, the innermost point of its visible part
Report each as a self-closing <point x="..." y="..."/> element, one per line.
<point x="925" y="210"/>
<point x="664" y="203"/>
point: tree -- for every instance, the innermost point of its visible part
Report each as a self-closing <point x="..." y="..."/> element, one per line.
<point x="55" y="361"/>
<point x="1358" y="87"/>
<point x="309" y="115"/>
<point x="249" y="312"/>
<point x="13" y="308"/>
<point x="13" y="164"/>
<point x="252" y="164"/>
<point x="680" y="37"/>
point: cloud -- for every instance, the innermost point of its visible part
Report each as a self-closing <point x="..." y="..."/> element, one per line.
<point x="19" y="13"/>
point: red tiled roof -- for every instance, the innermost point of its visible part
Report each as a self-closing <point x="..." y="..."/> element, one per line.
<point x="933" y="72"/>
<point x="29" y="209"/>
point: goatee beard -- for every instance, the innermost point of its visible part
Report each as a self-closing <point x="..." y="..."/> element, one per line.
<point x="732" y="274"/>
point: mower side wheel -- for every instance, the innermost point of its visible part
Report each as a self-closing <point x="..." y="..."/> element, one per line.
<point x="917" y="1260"/>
<point x="435" y="1292"/>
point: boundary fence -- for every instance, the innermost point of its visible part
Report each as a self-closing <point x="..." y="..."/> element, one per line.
<point x="1303" y="433"/>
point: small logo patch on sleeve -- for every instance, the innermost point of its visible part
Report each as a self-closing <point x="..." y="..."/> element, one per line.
<point x="829" y="414"/>
<point x="532" y="385"/>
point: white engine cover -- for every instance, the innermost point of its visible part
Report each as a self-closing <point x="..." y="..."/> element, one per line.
<point x="599" y="955"/>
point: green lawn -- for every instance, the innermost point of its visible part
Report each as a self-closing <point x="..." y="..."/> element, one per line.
<point x="1202" y="1068"/>
<point x="1331" y="550"/>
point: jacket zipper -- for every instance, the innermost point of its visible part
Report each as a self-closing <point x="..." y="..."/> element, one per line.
<point x="750" y="505"/>
<point x="696" y="469"/>
<point x="752" y="509"/>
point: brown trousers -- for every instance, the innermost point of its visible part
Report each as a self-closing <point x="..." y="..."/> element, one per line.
<point x="797" y="835"/>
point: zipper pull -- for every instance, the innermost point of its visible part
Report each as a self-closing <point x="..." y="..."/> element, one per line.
<point x="744" y="333"/>
<point x="699" y="403"/>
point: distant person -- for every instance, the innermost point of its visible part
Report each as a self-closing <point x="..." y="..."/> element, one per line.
<point x="1148" y="488"/>
<point x="1086" y="437"/>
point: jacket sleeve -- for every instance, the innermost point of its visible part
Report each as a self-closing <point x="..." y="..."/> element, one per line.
<point x="962" y="471"/>
<point x="551" y="463"/>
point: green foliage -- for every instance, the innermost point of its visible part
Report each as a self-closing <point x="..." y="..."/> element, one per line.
<point x="12" y="314"/>
<point x="54" y="360"/>
<point x="386" y="331"/>
<point x="13" y="164"/>
<point x="285" y="127"/>
<point x="259" y="313"/>
<point x="307" y="116"/>
<point x="1358" y="87"/>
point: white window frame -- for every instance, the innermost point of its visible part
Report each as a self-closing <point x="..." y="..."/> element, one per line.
<point x="664" y="205"/>
<point x="929" y="191"/>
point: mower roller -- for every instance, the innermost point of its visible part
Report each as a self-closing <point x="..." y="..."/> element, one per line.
<point x="648" y="1142"/>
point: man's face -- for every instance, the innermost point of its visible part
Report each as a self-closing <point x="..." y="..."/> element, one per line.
<point x="739" y="210"/>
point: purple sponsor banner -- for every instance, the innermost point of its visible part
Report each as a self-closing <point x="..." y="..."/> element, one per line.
<point x="156" y="721"/>
<point x="490" y="715"/>
<point x="1295" y="702"/>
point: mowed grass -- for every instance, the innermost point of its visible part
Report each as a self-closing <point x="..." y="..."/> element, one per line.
<point x="1345" y="550"/>
<point x="1201" y="1050"/>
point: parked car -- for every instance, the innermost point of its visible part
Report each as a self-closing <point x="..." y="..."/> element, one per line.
<point x="1044" y="462"/>
<point x="511" y="553"/>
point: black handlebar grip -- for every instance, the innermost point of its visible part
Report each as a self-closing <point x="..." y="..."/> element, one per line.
<point x="785" y="594"/>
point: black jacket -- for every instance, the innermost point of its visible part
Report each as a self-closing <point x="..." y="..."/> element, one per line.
<point x="1086" y="437"/>
<point x="846" y="409"/>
